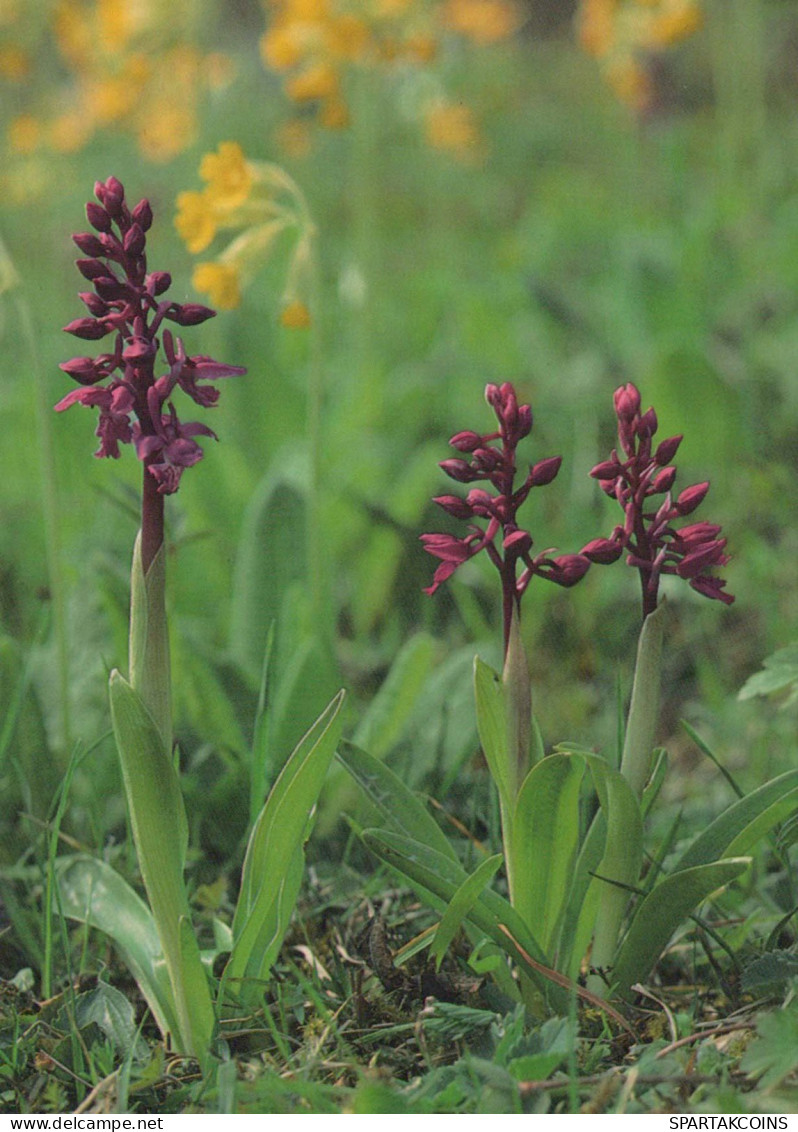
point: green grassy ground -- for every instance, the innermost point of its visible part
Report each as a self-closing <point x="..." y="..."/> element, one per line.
<point x="584" y="248"/>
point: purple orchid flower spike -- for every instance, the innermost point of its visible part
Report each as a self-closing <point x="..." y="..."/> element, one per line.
<point x="135" y="406"/>
<point x="655" y="547"/>
<point x="507" y="544"/>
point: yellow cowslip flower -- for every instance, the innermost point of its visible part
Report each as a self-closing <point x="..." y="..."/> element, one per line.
<point x="346" y="38"/>
<point x="451" y="126"/>
<point x="195" y="220"/>
<point x="596" y="27"/>
<point x="14" y="63"/>
<point x="220" y="282"/>
<point x="114" y="24"/>
<point x="630" y="82"/>
<point x="318" y="82"/>
<point x="281" y="47"/>
<point x="678" y="21"/>
<point x="228" y="176"/>
<point x="24" y="133"/>
<point x="483" y="21"/>
<point x="295" y="315"/>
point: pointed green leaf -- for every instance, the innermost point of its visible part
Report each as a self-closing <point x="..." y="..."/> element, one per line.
<point x="443" y="877"/>
<point x="460" y="905"/>
<point x="160" y="833"/>
<point x="662" y="911"/>
<point x="90" y="891"/>
<point x="739" y="827"/>
<point x="545" y="842"/>
<point x="492" y="728"/>
<point x="278" y="833"/>
<point x="401" y="808"/>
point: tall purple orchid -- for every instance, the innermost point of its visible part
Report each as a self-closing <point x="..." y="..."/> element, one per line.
<point x="507" y="544"/>
<point x="135" y="406"/>
<point x="655" y="546"/>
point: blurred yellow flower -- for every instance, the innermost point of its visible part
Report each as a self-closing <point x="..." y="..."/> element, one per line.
<point x="261" y="203"/>
<point x="317" y="82"/>
<point x="451" y="126"/>
<point x="220" y="282"/>
<point x="295" y="316"/>
<point x="228" y="176"/>
<point x="24" y="133"/>
<point x="195" y="220"/>
<point x="621" y="33"/>
<point x="483" y="21"/>
<point x="15" y="64"/>
<point x="164" y="135"/>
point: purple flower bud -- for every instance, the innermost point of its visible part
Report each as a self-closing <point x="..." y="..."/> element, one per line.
<point x="90" y="268"/>
<point x="691" y="497"/>
<point x="518" y="543"/>
<point x="83" y="370"/>
<point x="142" y="215"/>
<point x="524" y="426"/>
<point x="493" y="395"/>
<point x="95" y="304"/>
<point x="627" y="400"/>
<point x="109" y="288"/>
<point x="88" y="243"/>
<point x="189" y="314"/>
<point x="455" y="506"/>
<point x="666" y="450"/>
<point x="663" y="481"/>
<point x="647" y="425"/>
<point x="710" y="554"/>
<point x="111" y="194"/>
<point x="88" y="328"/>
<point x="544" y="471"/>
<point x="159" y="281"/>
<point x="607" y="470"/>
<point x="134" y="241"/>
<point x="569" y="569"/>
<point x="98" y="217"/>
<point x="603" y="551"/>
<point x="466" y="441"/>
<point x="481" y="502"/>
<point x="487" y="460"/>
<point x="459" y="470"/>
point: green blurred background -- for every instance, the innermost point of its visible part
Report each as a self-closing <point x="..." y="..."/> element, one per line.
<point x="567" y="197"/>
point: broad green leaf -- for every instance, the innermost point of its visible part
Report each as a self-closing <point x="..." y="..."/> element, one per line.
<point x="302" y="690"/>
<point x="545" y="842"/>
<point x="401" y="808"/>
<point x="737" y="829"/>
<point x="654" y="785"/>
<point x="278" y="833"/>
<point x="643" y="715"/>
<point x="605" y="902"/>
<point x="492" y="728"/>
<point x="443" y="877"/>
<point x="664" y="908"/>
<point x="149" y="640"/>
<point x="779" y="671"/>
<point x="160" y="833"/>
<point x="461" y="904"/>
<point x="108" y="1009"/>
<point x="386" y="716"/>
<point x="90" y="891"/>
<point x="279" y="917"/>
